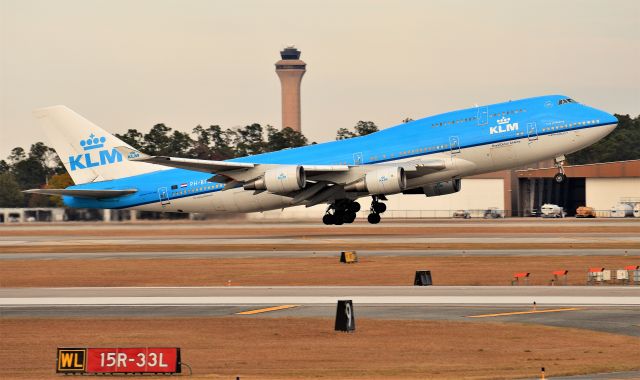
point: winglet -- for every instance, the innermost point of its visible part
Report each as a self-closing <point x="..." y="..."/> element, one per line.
<point x="132" y="154"/>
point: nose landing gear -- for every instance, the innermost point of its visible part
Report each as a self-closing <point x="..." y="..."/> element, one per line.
<point x="560" y="177"/>
<point x="376" y="209"/>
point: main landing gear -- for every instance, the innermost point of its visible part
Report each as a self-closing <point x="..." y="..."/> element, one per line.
<point x="376" y="209"/>
<point x="560" y="177"/>
<point x="340" y="212"/>
<point x="344" y="211"/>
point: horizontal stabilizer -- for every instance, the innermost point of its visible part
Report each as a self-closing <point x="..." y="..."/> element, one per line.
<point x="80" y="193"/>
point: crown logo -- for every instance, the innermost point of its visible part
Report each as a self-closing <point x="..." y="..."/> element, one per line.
<point x="504" y="120"/>
<point x="92" y="142"/>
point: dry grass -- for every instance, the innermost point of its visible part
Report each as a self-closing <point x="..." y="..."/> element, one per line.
<point x="375" y="270"/>
<point x="259" y="348"/>
<point x="307" y="246"/>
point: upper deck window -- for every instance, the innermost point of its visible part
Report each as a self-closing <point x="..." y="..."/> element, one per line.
<point x="565" y="101"/>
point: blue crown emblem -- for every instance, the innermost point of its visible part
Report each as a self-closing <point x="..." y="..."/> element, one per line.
<point x="92" y="142"/>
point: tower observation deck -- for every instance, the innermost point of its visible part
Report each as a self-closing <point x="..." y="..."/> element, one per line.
<point x="290" y="70"/>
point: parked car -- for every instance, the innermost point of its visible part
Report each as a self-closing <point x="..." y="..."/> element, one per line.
<point x="585" y="212"/>
<point x="493" y="213"/>
<point x="552" y="211"/>
<point x="462" y="214"/>
<point x="621" y="210"/>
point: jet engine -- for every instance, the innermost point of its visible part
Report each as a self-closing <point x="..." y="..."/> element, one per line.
<point x="283" y="179"/>
<point x="389" y="180"/>
<point x="437" y="188"/>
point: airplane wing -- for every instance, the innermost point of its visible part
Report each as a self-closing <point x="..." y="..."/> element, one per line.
<point x="323" y="178"/>
<point x="81" y="193"/>
<point x="224" y="170"/>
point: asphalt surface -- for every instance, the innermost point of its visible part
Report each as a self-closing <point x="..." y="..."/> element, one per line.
<point x="322" y="239"/>
<point x="619" y="319"/>
<point x="312" y="295"/>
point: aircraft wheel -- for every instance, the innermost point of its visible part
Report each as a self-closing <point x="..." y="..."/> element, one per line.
<point x="373" y="218"/>
<point x="328" y="219"/>
<point x="354" y="207"/>
<point x="349" y="217"/>
<point x="379" y="207"/>
<point x="559" y="178"/>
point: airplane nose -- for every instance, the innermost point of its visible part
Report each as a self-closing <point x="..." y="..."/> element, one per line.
<point x="607" y="118"/>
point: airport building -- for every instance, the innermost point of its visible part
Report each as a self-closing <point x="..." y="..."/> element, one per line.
<point x="600" y="186"/>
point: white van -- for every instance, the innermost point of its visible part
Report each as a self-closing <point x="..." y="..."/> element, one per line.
<point x="552" y="211"/>
<point x="621" y="210"/>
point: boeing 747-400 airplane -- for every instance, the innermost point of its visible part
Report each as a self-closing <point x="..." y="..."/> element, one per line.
<point x="427" y="157"/>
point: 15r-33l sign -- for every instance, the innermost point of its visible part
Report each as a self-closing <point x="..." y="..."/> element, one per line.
<point x="119" y="360"/>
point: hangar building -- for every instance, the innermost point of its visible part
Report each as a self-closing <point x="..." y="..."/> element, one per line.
<point x="600" y="186"/>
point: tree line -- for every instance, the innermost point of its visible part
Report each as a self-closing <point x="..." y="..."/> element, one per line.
<point x="40" y="166"/>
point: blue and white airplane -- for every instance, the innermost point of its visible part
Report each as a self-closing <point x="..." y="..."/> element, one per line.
<point x="427" y="156"/>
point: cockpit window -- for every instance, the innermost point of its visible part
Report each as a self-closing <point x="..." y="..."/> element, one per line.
<point x="565" y="101"/>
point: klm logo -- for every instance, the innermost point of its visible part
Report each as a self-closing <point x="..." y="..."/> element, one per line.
<point x="503" y="126"/>
<point x="94" y="154"/>
<point x="281" y="177"/>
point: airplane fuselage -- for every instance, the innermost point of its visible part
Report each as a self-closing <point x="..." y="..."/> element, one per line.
<point x="471" y="141"/>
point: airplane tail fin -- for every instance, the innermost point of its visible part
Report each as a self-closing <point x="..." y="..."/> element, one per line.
<point x="87" y="151"/>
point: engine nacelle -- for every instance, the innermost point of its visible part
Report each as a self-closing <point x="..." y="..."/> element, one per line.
<point x="442" y="188"/>
<point x="389" y="180"/>
<point x="283" y="179"/>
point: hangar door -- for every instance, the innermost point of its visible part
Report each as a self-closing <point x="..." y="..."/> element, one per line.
<point x="534" y="192"/>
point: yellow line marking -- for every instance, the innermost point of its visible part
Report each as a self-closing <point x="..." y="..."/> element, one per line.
<point x="258" y="311"/>
<point x="523" y="312"/>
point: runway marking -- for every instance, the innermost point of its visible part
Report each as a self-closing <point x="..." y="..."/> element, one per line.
<point x="265" y="310"/>
<point x="523" y="312"/>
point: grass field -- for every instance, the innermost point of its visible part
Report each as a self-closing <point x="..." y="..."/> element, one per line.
<point x="375" y="270"/>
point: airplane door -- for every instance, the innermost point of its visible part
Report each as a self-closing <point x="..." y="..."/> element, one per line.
<point x="163" y="195"/>
<point x="532" y="131"/>
<point x="483" y="115"/>
<point x="357" y="158"/>
<point x="454" y="144"/>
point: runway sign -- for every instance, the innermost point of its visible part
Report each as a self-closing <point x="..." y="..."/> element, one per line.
<point x="71" y="360"/>
<point x="348" y="257"/>
<point x="422" y="278"/>
<point x="119" y="360"/>
<point x="345" y="317"/>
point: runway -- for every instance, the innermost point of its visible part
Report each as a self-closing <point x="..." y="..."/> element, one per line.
<point x="607" y="309"/>
<point x="162" y="239"/>
<point x="314" y="295"/>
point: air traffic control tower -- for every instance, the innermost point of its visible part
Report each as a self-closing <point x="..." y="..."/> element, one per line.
<point x="290" y="70"/>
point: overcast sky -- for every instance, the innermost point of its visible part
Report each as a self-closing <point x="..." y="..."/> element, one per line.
<point x="132" y="64"/>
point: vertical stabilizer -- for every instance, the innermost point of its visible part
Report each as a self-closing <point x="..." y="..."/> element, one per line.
<point x="86" y="150"/>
